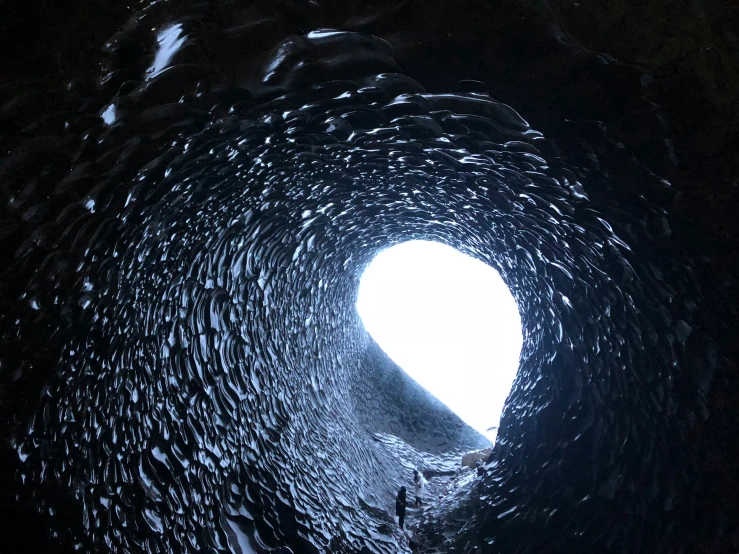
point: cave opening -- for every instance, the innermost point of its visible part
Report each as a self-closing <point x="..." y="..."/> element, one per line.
<point x="450" y="322"/>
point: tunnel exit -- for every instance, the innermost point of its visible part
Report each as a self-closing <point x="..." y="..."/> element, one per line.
<point x="450" y="322"/>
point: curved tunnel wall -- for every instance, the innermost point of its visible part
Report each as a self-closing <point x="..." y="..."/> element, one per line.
<point x="191" y="283"/>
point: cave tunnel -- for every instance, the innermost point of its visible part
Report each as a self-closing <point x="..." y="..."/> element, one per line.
<point x="190" y="196"/>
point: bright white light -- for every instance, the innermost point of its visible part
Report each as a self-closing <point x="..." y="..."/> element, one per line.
<point x="108" y="115"/>
<point x="449" y="321"/>
<point x="170" y="40"/>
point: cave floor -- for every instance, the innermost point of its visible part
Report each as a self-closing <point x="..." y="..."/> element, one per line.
<point x="446" y="494"/>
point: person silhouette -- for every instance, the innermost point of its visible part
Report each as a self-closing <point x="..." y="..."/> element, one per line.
<point x="401" y="501"/>
<point x="418" y="482"/>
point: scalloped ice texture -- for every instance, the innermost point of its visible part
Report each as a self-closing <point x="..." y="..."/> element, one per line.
<point x="193" y="284"/>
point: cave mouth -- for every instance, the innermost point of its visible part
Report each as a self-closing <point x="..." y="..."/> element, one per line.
<point x="450" y="322"/>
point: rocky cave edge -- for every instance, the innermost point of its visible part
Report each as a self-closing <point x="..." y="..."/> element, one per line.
<point x="182" y="364"/>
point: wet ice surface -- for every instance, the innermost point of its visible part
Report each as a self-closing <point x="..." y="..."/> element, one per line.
<point x="189" y="286"/>
<point x="169" y="40"/>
